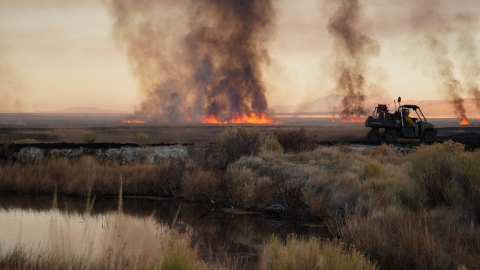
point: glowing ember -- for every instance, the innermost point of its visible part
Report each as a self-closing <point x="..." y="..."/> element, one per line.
<point x="464" y="120"/>
<point x="134" y="121"/>
<point x="189" y="119"/>
<point x="252" y="118"/>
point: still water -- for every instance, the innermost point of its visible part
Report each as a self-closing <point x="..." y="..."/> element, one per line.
<point x="140" y="225"/>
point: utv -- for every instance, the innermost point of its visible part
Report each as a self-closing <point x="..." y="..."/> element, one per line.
<point x="395" y="125"/>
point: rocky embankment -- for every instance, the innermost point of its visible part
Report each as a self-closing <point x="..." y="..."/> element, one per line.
<point x="119" y="152"/>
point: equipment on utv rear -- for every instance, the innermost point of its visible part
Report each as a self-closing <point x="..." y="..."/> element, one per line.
<point x="399" y="124"/>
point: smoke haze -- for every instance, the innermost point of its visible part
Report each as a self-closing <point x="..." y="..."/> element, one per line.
<point x="196" y="58"/>
<point x="352" y="51"/>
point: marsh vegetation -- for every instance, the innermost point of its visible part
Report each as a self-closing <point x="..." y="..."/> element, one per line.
<point x="392" y="209"/>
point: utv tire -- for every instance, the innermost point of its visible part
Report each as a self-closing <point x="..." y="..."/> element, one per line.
<point x="390" y="136"/>
<point x="430" y="136"/>
<point x="375" y="135"/>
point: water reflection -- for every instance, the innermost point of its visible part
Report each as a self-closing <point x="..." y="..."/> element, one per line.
<point x="139" y="226"/>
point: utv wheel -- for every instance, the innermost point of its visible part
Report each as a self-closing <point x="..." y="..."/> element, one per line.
<point x="430" y="136"/>
<point x="375" y="135"/>
<point x="390" y="136"/>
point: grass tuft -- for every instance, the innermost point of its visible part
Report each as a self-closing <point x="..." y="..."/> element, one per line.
<point x="142" y="139"/>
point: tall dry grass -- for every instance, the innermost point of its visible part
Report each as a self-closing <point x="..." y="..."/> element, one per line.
<point x="311" y="254"/>
<point x="88" y="175"/>
<point x="176" y="253"/>
<point x="401" y="239"/>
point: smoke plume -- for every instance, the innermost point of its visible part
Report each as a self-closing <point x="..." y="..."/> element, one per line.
<point x="433" y="28"/>
<point x="12" y="89"/>
<point x="352" y="51"/>
<point x="196" y="58"/>
<point x="467" y="25"/>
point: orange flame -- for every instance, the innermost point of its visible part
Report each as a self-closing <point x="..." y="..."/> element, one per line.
<point x="133" y="121"/>
<point x="189" y="119"/>
<point x="464" y="120"/>
<point x="253" y="118"/>
<point x="353" y="119"/>
<point x="211" y="119"/>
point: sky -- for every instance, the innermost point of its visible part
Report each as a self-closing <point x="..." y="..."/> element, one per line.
<point x="56" y="54"/>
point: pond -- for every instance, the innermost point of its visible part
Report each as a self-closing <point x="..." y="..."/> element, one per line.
<point x="138" y="225"/>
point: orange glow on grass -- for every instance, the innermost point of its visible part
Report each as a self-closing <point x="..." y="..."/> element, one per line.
<point x="251" y="118"/>
<point x="133" y="121"/>
<point x="464" y="120"/>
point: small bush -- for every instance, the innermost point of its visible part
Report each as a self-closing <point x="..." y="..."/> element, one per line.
<point x="179" y="255"/>
<point x="296" y="141"/>
<point x="89" y="138"/>
<point x="438" y="170"/>
<point x="237" y="142"/>
<point x="248" y="190"/>
<point x="207" y="155"/>
<point x="270" y="143"/>
<point x="8" y="148"/>
<point x="142" y="139"/>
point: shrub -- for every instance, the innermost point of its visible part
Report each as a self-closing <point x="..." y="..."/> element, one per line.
<point x="89" y="138"/>
<point x="207" y="155"/>
<point x="7" y="149"/>
<point x="438" y="170"/>
<point x="142" y="139"/>
<point x="236" y="142"/>
<point x="200" y="185"/>
<point x="296" y="141"/>
<point x="311" y="254"/>
<point x="248" y="190"/>
<point x="270" y="143"/>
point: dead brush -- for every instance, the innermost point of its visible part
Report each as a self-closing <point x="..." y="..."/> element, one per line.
<point x="401" y="239"/>
<point x="199" y="185"/>
<point x="248" y="190"/>
<point x="168" y="179"/>
<point x="293" y="199"/>
<point x="296" y="141"/>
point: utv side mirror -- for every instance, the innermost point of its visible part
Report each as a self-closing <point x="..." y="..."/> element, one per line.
<point x="399" y="99"/>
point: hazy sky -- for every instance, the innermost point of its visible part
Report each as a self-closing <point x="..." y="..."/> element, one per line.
<point x="56" y="54"/>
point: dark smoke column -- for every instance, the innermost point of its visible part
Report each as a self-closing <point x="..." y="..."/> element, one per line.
<point x="352" y="50"/>
<point x="433" y="30"/>
<point x="227" y="47"/>
<point x="467" y="25"/>
<point x="196" y="58"/>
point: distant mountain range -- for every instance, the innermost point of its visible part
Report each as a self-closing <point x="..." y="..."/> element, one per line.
<point x="86" y="110"/>
<point x="331" y="104"/>
<point x="327" y="105"/>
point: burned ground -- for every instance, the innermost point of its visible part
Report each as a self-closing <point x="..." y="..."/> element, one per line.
<point x="109" y="129"/>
